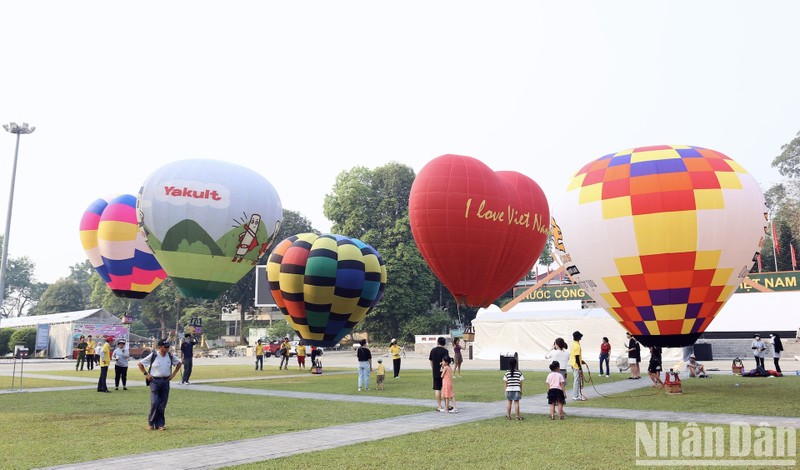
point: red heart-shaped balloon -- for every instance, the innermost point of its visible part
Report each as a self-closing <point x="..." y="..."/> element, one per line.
<point x="480" y="231"/>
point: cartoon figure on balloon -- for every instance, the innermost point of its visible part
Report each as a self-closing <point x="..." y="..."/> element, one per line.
<point x="247" y="239"/>
<point x="265" y="246"/>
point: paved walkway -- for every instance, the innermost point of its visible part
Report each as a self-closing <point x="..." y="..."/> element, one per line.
<point x="281" y="445"/>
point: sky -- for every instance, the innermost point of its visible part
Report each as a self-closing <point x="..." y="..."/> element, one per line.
<point x="302" y="91"/>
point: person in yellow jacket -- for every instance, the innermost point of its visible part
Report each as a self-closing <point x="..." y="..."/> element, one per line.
<point x="576" y="362"/>
<point x="259" y="355"/>
<point x="105" y="361"/>
<point x="90" y="344"/>
<point x="394" y="350"/>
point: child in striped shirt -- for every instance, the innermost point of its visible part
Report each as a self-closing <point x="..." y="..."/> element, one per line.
<point x="513" y="381"/>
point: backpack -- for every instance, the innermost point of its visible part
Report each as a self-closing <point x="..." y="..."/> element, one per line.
<point x="152" y="358"/>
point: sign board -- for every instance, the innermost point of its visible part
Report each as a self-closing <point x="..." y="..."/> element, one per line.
<point x="263" y="293"/>
<point x="782" y="281"/>
<point x="42" y="336"/>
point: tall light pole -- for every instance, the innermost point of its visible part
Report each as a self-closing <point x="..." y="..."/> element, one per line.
<point x="19" y="130"/>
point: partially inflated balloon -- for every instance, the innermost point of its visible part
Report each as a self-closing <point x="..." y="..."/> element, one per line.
<point x="325" y="284"/>
<point x="116" y="248"/>
<point x="661" y="237"/>
<point x="208" y="222"/>
<point x="480" y="231"/>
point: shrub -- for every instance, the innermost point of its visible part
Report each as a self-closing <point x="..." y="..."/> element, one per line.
<point x="25" y="336"/>
<point x="5" y="337"/>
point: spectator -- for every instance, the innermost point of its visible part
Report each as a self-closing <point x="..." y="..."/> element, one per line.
<point x="777" y="349"/>
<point x="759" y="347"/>
<point x="259" y="355"/>
<point x="634" y="357"/>
<point x="435" y="357"/>
<point x="605" y="353"/>
<point x="576" y="362"/>
<point x="81" y="352"/>
<point x="121" y="356"/>
<point x="364" y="365"/>
<point x="459" y="358"/>
<point x="380" y="374"/>
<point x="284" y="353"/>
<point x="556" y="394"/>
<point x="90" y="345"/>
<point x="560" y="354"/>
<point x="315" y="353"/>
<point x="513" y="380"/>
<point x="105" y="361"/>
<point x="448" y="395"/>
<point x="301" y="355"/>
<point x="395" y="351"/>
<point x="159" y="373"/>
<point x="654" y="368"/>
<point x="187" y="349"/>
<point x="695" y="368"/>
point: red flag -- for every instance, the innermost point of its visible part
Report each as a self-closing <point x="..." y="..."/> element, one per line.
<point x="537" y="272"/>
<point x="794" y="259"/>
<point x="759" y="262"/>
<point x="775" y="239"/>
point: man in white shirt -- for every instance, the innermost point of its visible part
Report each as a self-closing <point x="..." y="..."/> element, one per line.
<point x="759" y="347"/>
<point x="160" y="372"/>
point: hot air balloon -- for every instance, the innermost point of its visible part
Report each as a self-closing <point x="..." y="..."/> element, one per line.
<point x="208" y="222"/>
<point x="325" y="284"/>
<point x="478" y="230"/>
<point x="661" y="237"/>
<point x="116" y="248"/>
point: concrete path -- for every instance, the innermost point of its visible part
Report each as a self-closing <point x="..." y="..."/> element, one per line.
<point x="281" y="445"/>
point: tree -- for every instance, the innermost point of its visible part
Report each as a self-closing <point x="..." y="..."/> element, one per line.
<point x="5" y="338"/>
<point x="372" y="205"/>
<point x="785" y="241"/>
<point x="23" y="336"/>
<point x="82" y="273"/>
<point x="435" y="321"/>
<point x="64" y="295"/>
<point x="788" y="162"/>
<point x="21" y="291"/>
<point x="546" y="258"/>
<point x="293" y="223"/>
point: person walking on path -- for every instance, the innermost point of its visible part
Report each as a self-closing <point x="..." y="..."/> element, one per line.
<point x="380" y="375"/>
<point x="187" y="350"/>
<point x="105" y="361"/>
<point x="605" y="354"/>
<point x="364" y="356"/>
<point x="284" y="353"/>
<point x="458" y="356"/>
<point x="81" y="352"/>
<point x="435" y="357"/>
<point x="777" y="349"/>
<point x="259" y="355"/>
<point x="395" y="351"/>
<point x="560" y="354"/>
<point x="576" y="362"/>
<point x="634" y="356"/>
<point x="512" y="381"/>
<point x="90" y="344"/>
<point x="654" y="367"/>
<point x="556" y="392"/>
<point x="120" y="356"/>
<point x="160" y="372"/>
<point x="301" y="355"/>
<point x="448" y="395"/>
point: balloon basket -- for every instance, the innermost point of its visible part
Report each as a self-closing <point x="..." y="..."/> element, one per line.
<point x="674" y="388"/>
<point x="469" y="334"/>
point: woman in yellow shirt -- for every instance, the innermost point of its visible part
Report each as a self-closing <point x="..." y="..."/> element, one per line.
<point x="394" y="350"/>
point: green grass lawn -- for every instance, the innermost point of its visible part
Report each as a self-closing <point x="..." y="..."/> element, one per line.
<point x="30" y="382"/>
<point x="718" y="394"/>
<point x="58" y="422"/>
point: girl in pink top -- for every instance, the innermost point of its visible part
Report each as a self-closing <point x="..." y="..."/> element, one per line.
<point x="555" y="391"/>
<point x="447" y="386"/>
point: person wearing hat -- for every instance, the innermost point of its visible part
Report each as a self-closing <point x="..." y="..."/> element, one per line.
<point x="121" y="356"/>
<point x="576" y="362"/>
<point x="695" y="368"/>
<point x="160" y="371"/>
<point x="105" y="361"/>
<point x="759" y="347"/>
<point x="81" y="348"/>
<point x="394" y="350"/>
<point x="187" y="351"/>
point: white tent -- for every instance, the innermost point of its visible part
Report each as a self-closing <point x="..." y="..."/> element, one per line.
<point x="530" y="328"/>
<point x="65" y="328"/>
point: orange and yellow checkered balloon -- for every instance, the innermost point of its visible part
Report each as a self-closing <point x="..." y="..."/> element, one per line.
<point x="661" y="237"/>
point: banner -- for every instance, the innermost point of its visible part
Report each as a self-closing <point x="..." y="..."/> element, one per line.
<point x="42" y="337"/>
<point x="794" y="258"/>
<point x="775" y="239"/>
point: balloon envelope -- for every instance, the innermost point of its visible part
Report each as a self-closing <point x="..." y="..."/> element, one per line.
<point x="480" y="231"/>
<point x="325" y="284"/>
<point x="208" y="222"/>
<point x="661" y="237"/>
<point x="116" y="248"/>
